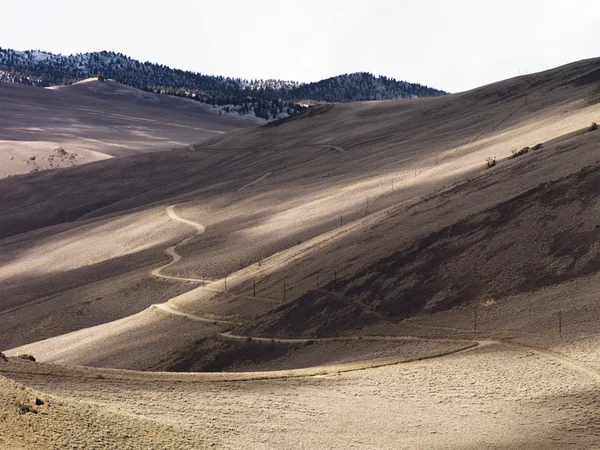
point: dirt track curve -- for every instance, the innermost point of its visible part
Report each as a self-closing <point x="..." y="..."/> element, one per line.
<point x="172" y="251"/>
<point x="199" y="229"/>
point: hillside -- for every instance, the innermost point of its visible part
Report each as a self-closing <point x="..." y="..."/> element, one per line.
<point x="352" y="267"/>
<point x="266" y="99"/>
<point x="288" y="185"/>
<point x="89" y="121"/>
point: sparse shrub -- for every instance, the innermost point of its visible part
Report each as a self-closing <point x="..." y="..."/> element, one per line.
<point x="516" y="153"/>
<point x="309" y="342"/>
<point x="39" y="401"/>
<point x="491" y="162"/>
<point x="26" y="357"/>
<point x="3" y="357"/>
<point x="243" y="362"/>
<point x="25" y="409"/>
<point x="248" y="339"/>
<point x="594" y="127"/>
<point x="537" y="146"/>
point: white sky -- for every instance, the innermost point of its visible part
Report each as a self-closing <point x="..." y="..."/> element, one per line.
<point x="452" y="45"/>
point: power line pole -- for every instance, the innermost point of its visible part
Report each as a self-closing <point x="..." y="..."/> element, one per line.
<point x="560" y="321"/>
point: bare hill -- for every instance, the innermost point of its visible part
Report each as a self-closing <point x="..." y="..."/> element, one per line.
<point x="278" y="194"/>
<point x="431" y="263"/>
<point x="89" y="121"/>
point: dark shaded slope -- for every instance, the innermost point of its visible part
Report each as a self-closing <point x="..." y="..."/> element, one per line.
<point x="548" y="235"/>
<point x="33" y="201"/>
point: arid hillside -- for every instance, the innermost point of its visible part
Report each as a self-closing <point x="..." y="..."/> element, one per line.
<point x="89" y="121"/>
<point x="367" y="269"/>
<point x="357" y="193"/>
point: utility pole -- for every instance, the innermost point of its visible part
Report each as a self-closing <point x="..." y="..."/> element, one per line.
<point x="225" y="283"/>
<point x="560" y="321"/>
<point x="341" y="220"/>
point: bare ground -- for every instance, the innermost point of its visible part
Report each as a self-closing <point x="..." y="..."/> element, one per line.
<point x="324" y="247"/>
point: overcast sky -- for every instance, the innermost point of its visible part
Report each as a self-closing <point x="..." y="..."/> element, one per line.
<point x="451" y="45"/>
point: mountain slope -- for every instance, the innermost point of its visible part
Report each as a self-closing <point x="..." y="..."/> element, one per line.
<point x="333" y="190"/>
<point x="542" y="238"/>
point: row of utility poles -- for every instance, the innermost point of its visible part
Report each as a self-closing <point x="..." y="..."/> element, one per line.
<point x="335" y="284"/>
<point x="285" y="286"/>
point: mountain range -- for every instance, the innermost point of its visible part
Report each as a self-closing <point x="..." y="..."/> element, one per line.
<point x="268" y="99"/>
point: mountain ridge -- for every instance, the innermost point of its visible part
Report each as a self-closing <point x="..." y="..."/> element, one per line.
<point x="268" y="99"/>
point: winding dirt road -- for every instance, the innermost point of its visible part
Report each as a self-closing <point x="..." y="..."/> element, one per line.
<point x="262" y="177"/>
<point x="176" y="257"/>
<point x="172" y="251"/>
<point x="199" y="229"/>
<point x="165" y="307"/>
<point x="229" y="335"/>
<point x="169" y="309"/>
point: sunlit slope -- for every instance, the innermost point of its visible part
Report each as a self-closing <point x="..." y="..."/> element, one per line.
<point x="334" y="190"/>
